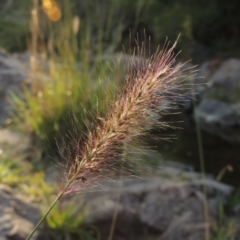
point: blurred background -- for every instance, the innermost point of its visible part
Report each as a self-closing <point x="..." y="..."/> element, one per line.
<point x="62" y="63"/>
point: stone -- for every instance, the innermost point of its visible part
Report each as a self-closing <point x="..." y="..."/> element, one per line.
<point x="219" y="118"/>
<point x="168" y="204"/>
<point x="218" y="108"/>
<point x="17" y="216"/>
<point x="13" y="140"/>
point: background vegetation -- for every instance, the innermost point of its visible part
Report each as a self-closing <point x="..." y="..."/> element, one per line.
<point x="214" y="24"/>
<point x="71" y="82"/>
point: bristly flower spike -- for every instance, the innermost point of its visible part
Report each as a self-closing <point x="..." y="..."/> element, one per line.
<point x="150" y="82"/>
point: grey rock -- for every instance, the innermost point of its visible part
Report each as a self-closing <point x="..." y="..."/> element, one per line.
<point x="215" y="112"/>
<point x="13" y="140"/>
<point x="219" y="118"/>
<point x="218" y="109"/>
<point x="17" y="216"/>
<point x="169" y="204"/>
<point x="230" y="69"/>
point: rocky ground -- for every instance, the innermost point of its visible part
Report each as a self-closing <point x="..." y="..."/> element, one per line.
<point x="17" y="215"/>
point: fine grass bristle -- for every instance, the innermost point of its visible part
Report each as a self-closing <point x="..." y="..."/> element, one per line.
<point x="150" y="83"/>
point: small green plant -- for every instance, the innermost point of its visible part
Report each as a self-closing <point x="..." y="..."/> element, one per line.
<point x="67" y="220"/>
<point x="234" y="199"/>
<point x="16" y="172"/>
<point x="10" y="171"/>
<point x="36" y="187"/>
<point x="226" y="230"/>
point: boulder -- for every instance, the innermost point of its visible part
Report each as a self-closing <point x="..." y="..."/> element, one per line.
<point x="169" y="204"/>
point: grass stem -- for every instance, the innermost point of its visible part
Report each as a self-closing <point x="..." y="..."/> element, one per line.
<point x="203" y="172"/>
<point x="49" y="210"/>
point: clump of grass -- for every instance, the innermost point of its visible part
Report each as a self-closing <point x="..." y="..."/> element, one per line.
<point x="21" y="175"/>
<point x="227" y="229"/>
<point x="9" y="170"/>
<point x="65" y="222"/>
<point x="150" y="83"/>
<point x="66" y="80"/>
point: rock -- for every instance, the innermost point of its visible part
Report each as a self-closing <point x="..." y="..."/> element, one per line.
<point x="10" y="139"/>
<point x="228" y="69"/>
<point x="218" y="109"/>
<point x="219" y="118"/>
<point x="167" y="205"/>
<point x="17" y="216"/>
